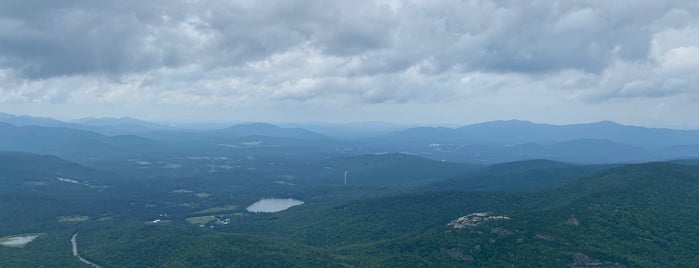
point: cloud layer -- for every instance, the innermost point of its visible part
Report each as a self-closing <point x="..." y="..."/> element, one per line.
<point x="348" y="53"/>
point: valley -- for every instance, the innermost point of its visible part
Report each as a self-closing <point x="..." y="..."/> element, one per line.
<point x="315" y="203"/>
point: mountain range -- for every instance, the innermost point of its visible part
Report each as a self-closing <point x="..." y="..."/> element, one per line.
<point x="483" y="143"/>
<point x="519" y="132"/>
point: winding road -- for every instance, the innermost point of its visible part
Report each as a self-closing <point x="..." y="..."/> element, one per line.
<point x="74" y="241"/>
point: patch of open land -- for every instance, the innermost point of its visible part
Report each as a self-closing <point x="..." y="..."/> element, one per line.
<point x="200" y="220"/>
<point x="202" y="195"/>
<point x="218" y="209"/>
<point x="74" y="218"/>
<point x="181" y="191"/>
<point x="172" y="166"/>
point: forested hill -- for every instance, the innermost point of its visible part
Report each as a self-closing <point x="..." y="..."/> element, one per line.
<point x="640" y="215"/>
<point x="18" y="169"/>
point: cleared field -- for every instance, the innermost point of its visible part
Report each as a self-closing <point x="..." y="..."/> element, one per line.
<point x="217" y="209"/>
<point x="202" y="195"/>
<point x="181" y="191"/>
<point x="172" y="166"/>
<point x="74" y="218"/>
<point x="200" y="220"/>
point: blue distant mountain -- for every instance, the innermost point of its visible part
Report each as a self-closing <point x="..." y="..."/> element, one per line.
<point x="69" y="142"/>
<point x="267" y="130"/>
<point x="518" y="132"/>
<point x="120" y="121"/>
<point x="25" y="120"/>
<point x="107" y="125"/>
<point x="483" y="143"/>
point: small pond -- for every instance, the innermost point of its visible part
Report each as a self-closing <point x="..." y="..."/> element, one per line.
<point x="18" y="240"/>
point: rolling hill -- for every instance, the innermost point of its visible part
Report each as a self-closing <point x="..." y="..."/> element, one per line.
<point x="518" y="132"/>
<point x="630" y="216"/>
<point x="392" y="169"/>
<point x="267" y="130"/>
<point x="520" y="175"/>
<point x="639" y="215"/>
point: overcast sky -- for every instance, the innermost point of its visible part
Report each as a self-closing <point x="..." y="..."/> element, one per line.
<point x="631" y="61"/>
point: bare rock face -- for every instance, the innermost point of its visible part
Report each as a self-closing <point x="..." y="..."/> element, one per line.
<point x="475" y="219"/>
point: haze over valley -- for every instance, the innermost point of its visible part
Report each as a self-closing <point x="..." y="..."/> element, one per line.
<point x="471" y="195"/>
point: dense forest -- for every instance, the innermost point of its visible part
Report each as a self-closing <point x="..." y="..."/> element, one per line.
<point x="638" y="215"/>
<point x="138" y="205"/>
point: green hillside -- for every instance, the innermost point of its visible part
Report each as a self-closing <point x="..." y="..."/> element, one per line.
<point x="535" y="213"/>
<point x="519" y="175"/>
<point x="635" y="216"/>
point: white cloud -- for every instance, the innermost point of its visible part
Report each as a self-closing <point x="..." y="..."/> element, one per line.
<point x="353" y="54"/>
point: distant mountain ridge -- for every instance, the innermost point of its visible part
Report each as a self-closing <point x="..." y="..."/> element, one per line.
<point x="510" y="132"/>
<point x="121" y="125"/>
<point x="25" y="120"/>
<point x="106" y="126"/>
<point x="269" y="130"/>
<point x="77" y="144"/>
<point x="69" y="142"/>
<point x="111" y="126"/>
<point x="482" y="143"/>
<point x="517" y="132"/>
<point x="107" y="121"/>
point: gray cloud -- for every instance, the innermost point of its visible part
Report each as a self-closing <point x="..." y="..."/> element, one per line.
<point x="231" y="53"/>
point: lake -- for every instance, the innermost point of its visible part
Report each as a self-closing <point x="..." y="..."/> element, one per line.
<point x="273" y="204"/>
<point x="18" y="240"/>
